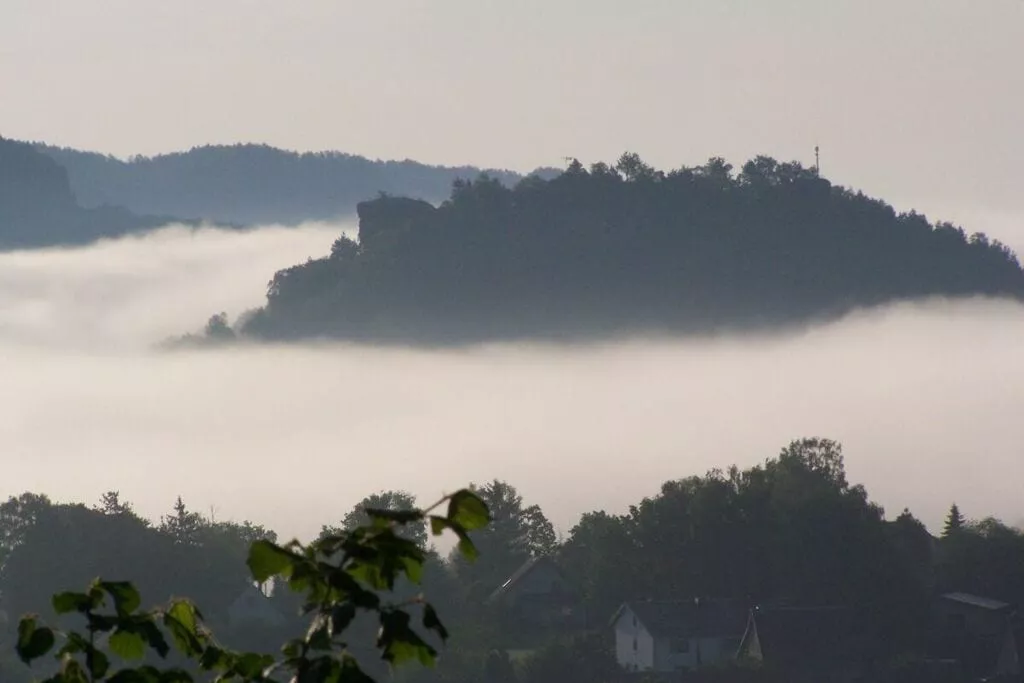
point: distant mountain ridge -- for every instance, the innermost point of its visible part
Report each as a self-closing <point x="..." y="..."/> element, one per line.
<point x="38" y="206"/>
<point x="251" y="184"/>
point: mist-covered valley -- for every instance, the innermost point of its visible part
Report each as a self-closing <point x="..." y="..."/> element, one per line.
<point x="665" y="342"/>
<point x="923" y="396"/>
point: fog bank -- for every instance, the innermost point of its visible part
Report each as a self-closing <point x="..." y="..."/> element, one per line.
<point x="926" y="398"/>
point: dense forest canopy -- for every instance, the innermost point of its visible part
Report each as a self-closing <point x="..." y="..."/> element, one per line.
<point x="790" y="531"/>
<point x="624" y="249"/>
<point x="39" y="208"/>
<point x="250" y="184"/>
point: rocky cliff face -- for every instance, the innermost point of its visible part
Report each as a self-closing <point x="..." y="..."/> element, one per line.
<point x="38" y="207"/>
<point x="389" y="215"/>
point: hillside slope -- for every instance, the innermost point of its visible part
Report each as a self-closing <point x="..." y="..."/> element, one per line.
<point x="39" y="208"/>
<point x="611" y="251"/>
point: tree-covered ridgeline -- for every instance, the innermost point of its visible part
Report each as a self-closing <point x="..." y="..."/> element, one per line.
<point x="625" y="249"/>
<point x="792" y="530"/>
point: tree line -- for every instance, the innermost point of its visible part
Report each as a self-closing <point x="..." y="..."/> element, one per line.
<point x="791" y="530"/>
<point x="624" y="248"/>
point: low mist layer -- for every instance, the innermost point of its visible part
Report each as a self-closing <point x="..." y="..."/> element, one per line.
<point x="924" y="397"/>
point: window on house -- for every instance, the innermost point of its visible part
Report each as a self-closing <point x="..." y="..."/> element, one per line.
<point x="680" y="646"/>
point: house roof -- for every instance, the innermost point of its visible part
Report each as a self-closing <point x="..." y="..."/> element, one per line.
<point x="791" y="635"/>
<point x="976" y="601"/>
<point x="688" y="618"/>
<point x="530" y="565"/>
<point x="252" y="604"/>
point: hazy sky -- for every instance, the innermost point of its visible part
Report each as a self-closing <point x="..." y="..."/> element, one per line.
<point x="926" y="399"/>
<point x="920" y="101"/>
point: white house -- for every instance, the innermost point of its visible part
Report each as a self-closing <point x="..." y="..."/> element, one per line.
<point x="671" y="636"/>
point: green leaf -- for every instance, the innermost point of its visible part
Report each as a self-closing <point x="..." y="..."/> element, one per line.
<point x="97" y="662"/>
<point x="33" y="641"/>
<point x="351" y="672"/>
<point x="293" y="648"/>
<point x="318" y="636"/>
<point x="102" y="623"/>
<point x="432" y="622"/>
<point x="182" y="621"/>
<point x="466" y="546"/>
<point x="125" y="596"/>
<point x="369" y="573"/>
<point x="324" y="669"/>
<point x="400" y="643"/>
<point x="413" y="568"/>
<point x="72" y="672"/>
<point x="268" y="559"/>
<point x="251" y="665"/>
<point x="148" y="674"/>
<point x="146" y="627"/>
<point x="69" y="601"/>
<point x="127" y="644"/>
<point x="468" y="510"/>
<point x="214" y="659"/>
<point x="73" y="644"/>
<point x="96" y="594"/>
<point x="175" y="676"/>
<point x="438" y="524"/>
<point x="340" y="579"/>
<point x="341" y="617"/>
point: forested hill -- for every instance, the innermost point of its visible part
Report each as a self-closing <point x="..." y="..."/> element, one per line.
<point x="252" y="184"/>
<point x="624" y="249"/>
<point x="38" y="207"/>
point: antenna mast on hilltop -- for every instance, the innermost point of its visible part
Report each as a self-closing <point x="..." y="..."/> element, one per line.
<point x="817" y="162"/>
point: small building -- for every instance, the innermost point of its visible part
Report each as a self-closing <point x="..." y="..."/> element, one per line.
<point x="816" y="644"/>
<point x="979" y="632"/>
<point x="666" y="636"/>
<point x="1010" y="662"/>
<point x="538" y="594"/>
<point x="974" y="614"/>
<point x="253" y="607"/>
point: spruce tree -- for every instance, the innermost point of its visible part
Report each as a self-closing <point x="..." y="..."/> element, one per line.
<point x="954" y="521"/>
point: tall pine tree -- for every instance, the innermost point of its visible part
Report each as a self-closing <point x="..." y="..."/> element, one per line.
<point x="184" y="525"/>
<point x="954" y="521"/>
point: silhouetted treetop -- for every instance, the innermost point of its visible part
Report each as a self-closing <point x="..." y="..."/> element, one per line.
<point x="623" y="249"/>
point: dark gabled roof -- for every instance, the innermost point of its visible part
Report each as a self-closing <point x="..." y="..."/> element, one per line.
<point x="977" y="601"/>
<point x="530" y="565"/>
<point x="709" y="618"/>
<point x="789" y="636"/>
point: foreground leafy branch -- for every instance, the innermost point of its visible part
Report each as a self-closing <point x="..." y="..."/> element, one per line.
<point x="339" y="575"/>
